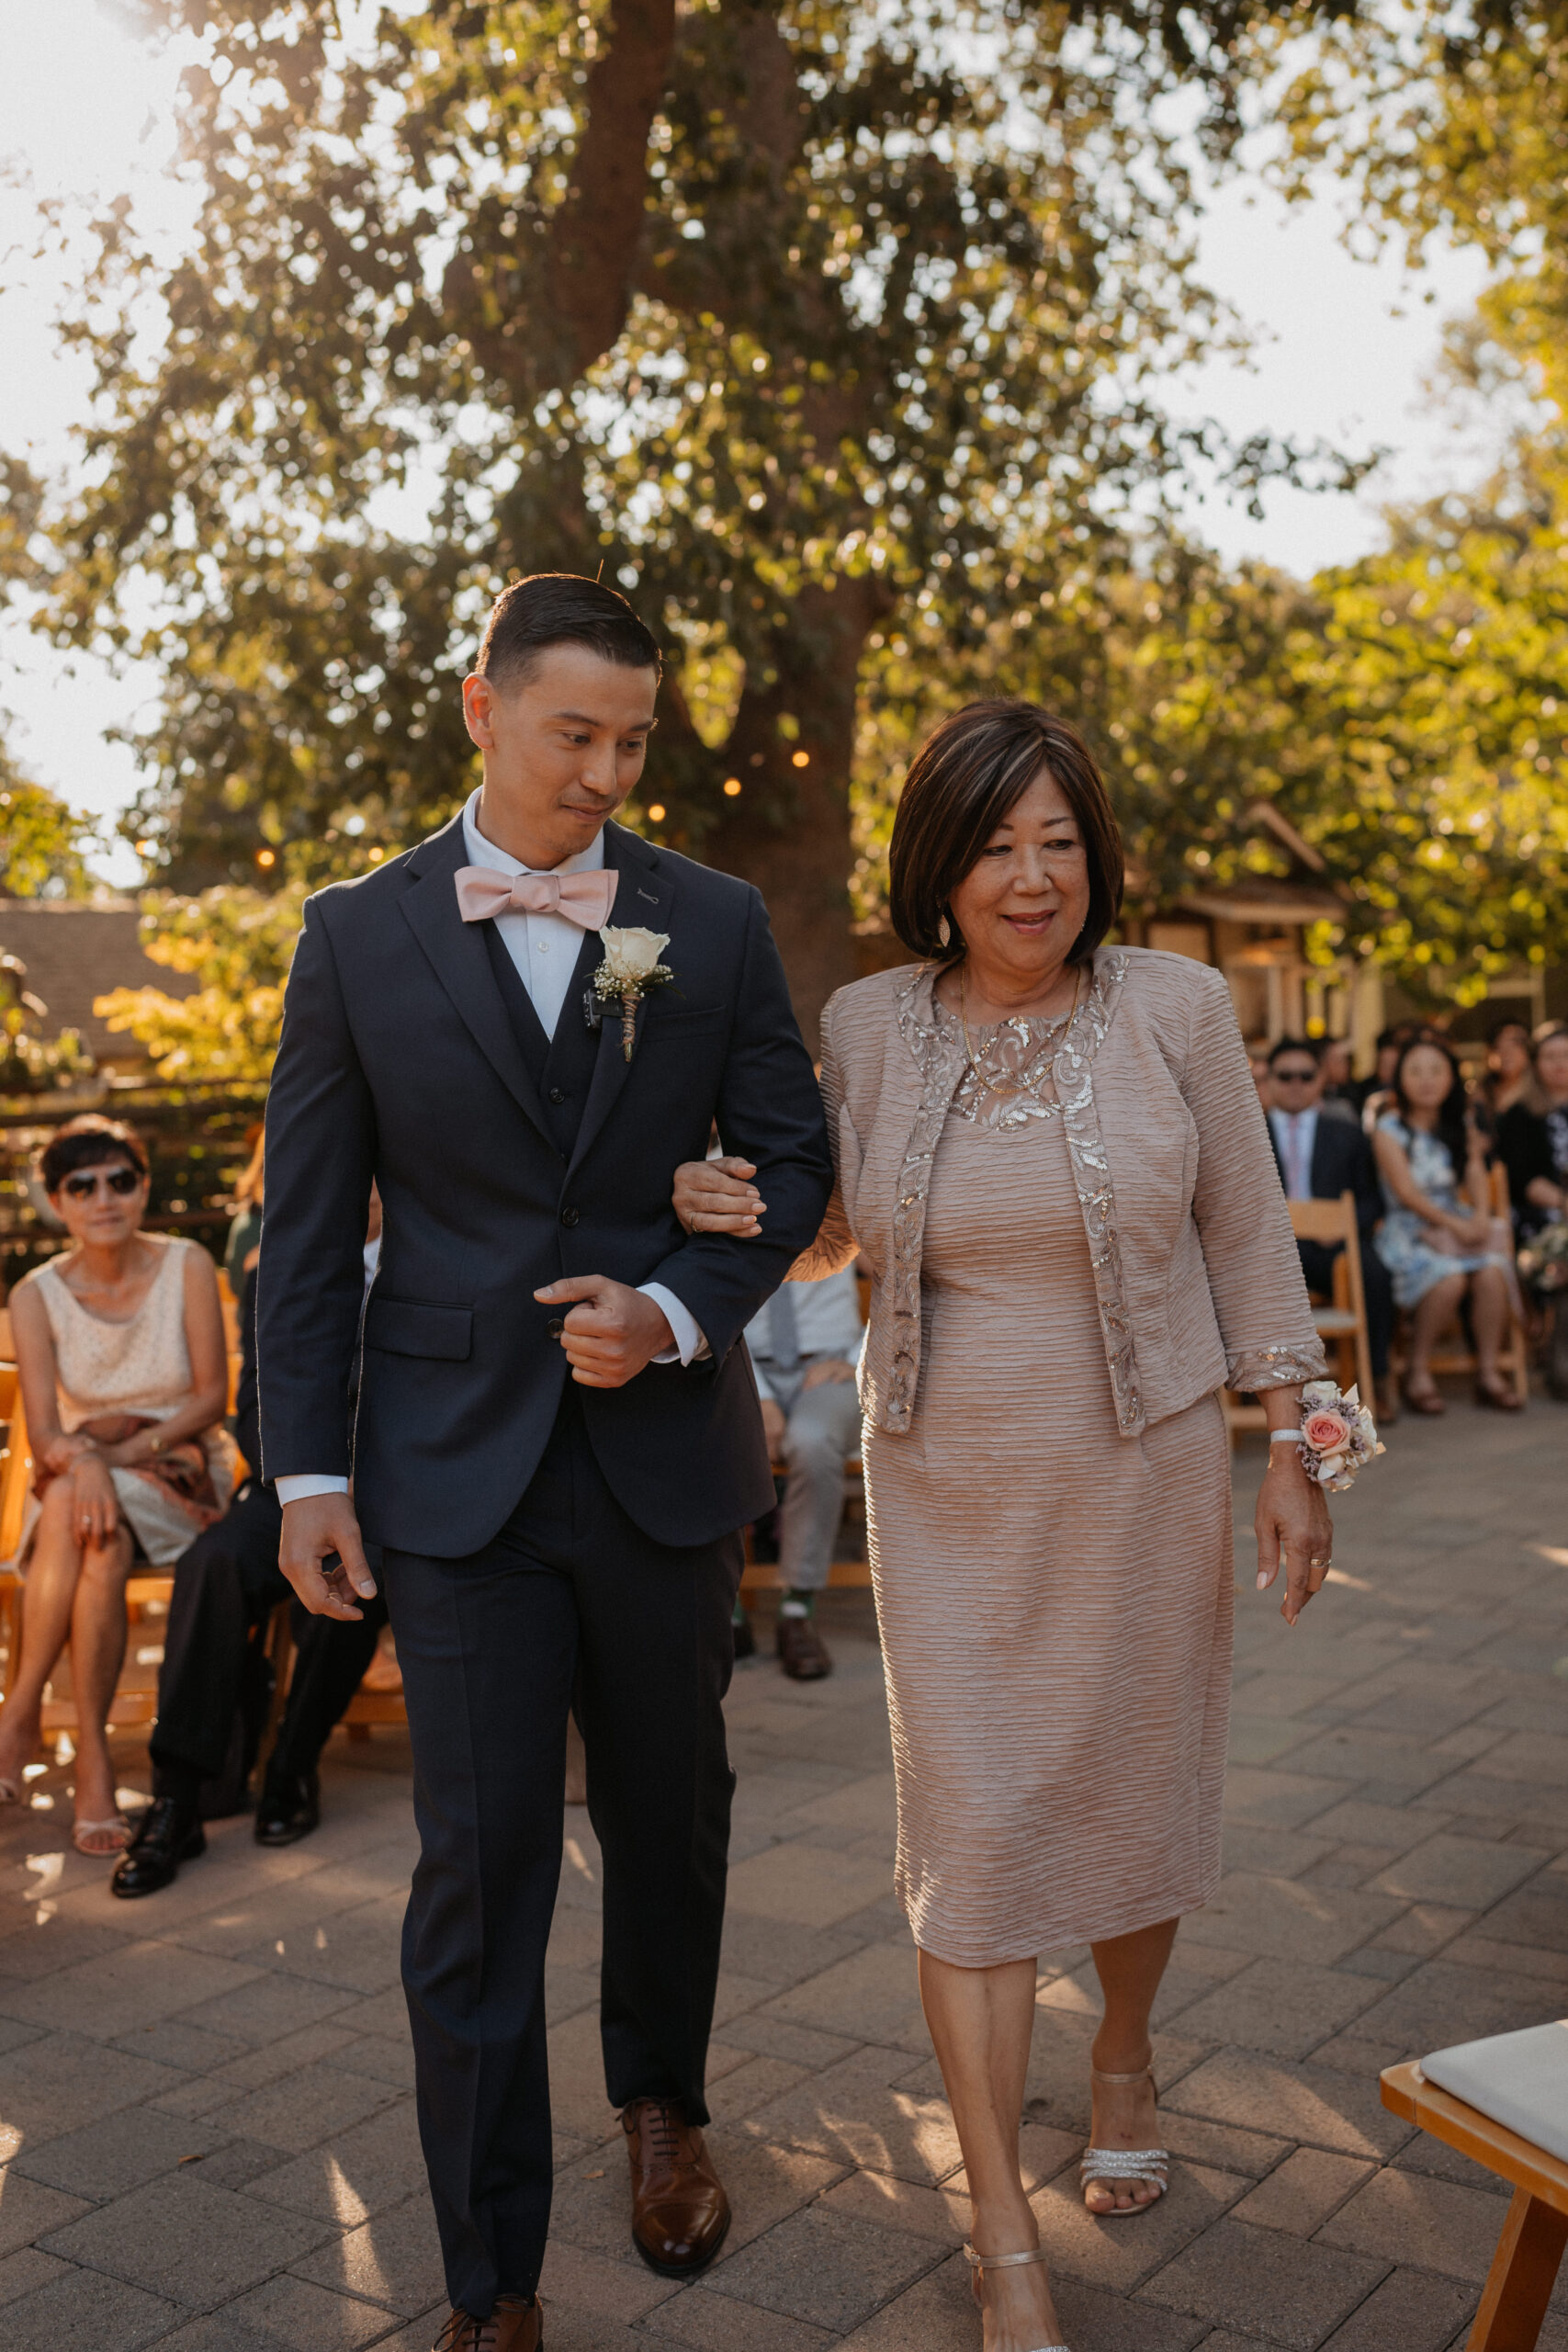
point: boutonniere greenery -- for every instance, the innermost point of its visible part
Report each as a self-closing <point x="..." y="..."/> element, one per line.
<point x="630" y="969"/>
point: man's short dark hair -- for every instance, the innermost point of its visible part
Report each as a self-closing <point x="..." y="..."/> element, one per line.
<point x="558" y="608"/>
<point x="963" y="781"/>
<point x="1295" y="1045"/>
<point x="90" y="1141"/>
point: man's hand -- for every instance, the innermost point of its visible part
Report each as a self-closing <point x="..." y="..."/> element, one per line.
<point x="323" y="1557"/>
<point x="830" y="1372"/>
<point x="611" y="1331"/>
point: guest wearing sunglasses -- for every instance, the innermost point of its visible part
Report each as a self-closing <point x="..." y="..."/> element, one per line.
<point x="124" y="1377"/>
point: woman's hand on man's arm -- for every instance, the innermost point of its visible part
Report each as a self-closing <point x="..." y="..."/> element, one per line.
<point x="717" y="1196"/>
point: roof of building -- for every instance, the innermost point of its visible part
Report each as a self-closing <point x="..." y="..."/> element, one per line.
<point x="76" y="950"/>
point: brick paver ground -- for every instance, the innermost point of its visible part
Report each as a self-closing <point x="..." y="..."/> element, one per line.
<point x="205" y="2109"/>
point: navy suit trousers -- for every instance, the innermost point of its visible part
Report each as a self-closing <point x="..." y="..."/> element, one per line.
<point x="570" y="1604"/>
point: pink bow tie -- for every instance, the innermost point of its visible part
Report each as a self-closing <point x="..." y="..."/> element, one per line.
<point x="582" y="899"/>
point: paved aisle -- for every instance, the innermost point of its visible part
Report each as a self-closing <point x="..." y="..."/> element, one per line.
<point x="204" y="2101"/>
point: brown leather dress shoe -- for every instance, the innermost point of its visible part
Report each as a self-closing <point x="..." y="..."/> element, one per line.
<point x="680" y="2212"/>
<point x="803" y="1653"/>
<point x="512" y="2327"/>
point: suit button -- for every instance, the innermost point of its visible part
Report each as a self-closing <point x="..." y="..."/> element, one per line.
<point x="570" y="1216"/>
<point x="556" y="1326"/>
<point x="558" y="1094"/>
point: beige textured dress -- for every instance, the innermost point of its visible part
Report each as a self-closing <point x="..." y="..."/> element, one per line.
<point x="1075" y="1241"/>
<point x="1041" y="1581"/>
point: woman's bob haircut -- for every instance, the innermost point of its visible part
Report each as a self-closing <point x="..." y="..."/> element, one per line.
<point x="961" y="783"/>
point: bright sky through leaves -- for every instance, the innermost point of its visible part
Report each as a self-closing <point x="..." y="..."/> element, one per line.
<point x="86" y="106"/>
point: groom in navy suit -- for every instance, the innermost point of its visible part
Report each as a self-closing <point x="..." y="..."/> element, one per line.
<point x="558" y="1434"/>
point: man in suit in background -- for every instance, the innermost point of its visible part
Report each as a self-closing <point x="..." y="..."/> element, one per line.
<point x="1318" y="1158"/>
<point x="557" y="1436"/>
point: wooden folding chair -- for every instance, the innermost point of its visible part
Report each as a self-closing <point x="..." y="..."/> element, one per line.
<point x="1524" y="2268"/>
<point x="1342" y="1321"/>
<point x="145" y="1591"/>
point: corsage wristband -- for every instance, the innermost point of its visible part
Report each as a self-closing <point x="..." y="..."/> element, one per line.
<point x="1337" y="1436"/>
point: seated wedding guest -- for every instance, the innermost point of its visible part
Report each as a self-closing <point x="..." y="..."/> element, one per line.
<point x="226" y="1586"/>
<point x="1532" y="1136"/>
<point x="1507" y="1078"/>
<point x="244" y="1232"/>
<point x="1437" y="1239"/>
<point x="804" y="1346"/>
<point x="1339" y="1098"/>
<point x="120" y="1346"/>
<point x="1375" y="1094"/>
<point x="1319" y="1158"/>
<point x="1532" y="1139"/>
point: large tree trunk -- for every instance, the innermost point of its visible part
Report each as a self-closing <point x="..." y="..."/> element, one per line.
<point x="788" y="831"/>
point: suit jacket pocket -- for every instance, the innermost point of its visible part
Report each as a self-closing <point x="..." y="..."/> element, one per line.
<point x="682" y="1021"/>
<point x="412" y="1326"/>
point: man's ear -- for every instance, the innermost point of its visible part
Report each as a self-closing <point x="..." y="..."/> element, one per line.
<point x="479" y="710"/>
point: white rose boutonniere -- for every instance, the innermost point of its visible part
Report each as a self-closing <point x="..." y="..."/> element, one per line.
<point x="630" y="969"/>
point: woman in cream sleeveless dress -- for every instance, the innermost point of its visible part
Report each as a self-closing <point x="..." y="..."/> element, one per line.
<point x="121" y="1351"/>
<point x="1053" y="1158"/>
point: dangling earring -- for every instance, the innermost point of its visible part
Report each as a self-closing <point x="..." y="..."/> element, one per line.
<point x="944" y="933"/>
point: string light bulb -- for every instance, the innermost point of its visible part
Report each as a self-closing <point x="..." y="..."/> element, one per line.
<point x="731" y="786"/>
<point x="656" y="813"/>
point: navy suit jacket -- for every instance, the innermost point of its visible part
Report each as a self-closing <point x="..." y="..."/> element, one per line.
<point x="400" y="1062"/>
<point x="1342" y="1161"/>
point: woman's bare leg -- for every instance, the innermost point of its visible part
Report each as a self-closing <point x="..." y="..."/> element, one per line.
<point x="54" y="1567"/>
<point x="1426" y="1322"/>
<point x="1130" y="1969"/>
<point x="980" y="2021"/>
<point x="97" y="1653"/>
<point x="1489" y="1319"/>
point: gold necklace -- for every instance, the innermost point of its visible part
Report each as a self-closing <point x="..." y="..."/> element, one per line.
<point x="964" y="1017"/>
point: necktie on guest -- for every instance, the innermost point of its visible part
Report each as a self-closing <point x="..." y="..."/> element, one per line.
<point x="784" y="1329"/>
<point x="583" y="899"/>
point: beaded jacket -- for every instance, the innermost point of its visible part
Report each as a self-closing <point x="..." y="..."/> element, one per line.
<point x="1196" y="1273"/>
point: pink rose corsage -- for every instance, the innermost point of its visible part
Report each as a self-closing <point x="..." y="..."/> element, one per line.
<point x="1338" y="1437"/>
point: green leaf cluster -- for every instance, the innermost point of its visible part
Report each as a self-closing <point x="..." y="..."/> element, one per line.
<point x="238" y="944"/>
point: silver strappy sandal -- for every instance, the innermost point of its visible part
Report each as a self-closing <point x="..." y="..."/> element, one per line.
<point x="980" y="2263"/>
<point x="1152" y="2165"/>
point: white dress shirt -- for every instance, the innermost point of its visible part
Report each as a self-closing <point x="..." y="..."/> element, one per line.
<point x="543" y="949"/>
<point x="1295" y="1132"/>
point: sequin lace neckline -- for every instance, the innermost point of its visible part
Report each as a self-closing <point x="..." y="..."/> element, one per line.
<point x="1011" y="1080"/>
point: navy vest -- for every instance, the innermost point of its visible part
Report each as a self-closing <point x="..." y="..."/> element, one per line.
<point x="562" y="1067"/>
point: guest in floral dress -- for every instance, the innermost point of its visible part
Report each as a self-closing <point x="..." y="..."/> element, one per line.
<point x="124" y="1377"/>
<point x="1439" y="1240"/>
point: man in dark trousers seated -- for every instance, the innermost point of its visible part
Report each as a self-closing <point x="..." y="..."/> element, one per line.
<point x="1319" y="1157"/>
<point x="226" y="1586"/>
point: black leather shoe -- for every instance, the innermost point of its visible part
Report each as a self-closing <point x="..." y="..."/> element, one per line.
<point x="288" y="1810"/>
<point x="168" y="1834"/>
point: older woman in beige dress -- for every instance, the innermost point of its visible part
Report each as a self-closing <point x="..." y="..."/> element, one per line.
<point x="120" y="1346"/>
<point x="1052" y="1156"/>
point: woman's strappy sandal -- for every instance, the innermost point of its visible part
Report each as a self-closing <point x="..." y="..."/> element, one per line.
<point x="980" y="2263"/>
<point x="1152" y="2165"/>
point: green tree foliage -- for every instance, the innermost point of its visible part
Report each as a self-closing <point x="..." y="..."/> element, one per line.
<point x="42" y="841"/>
<point x="1408" y="715"/>
<point x="239" y="944"/>
<point x="806" y="320"/>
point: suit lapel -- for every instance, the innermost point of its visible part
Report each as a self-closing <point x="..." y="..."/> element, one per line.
<point x="461" y="963"/>
<point x="643" y="899"/>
